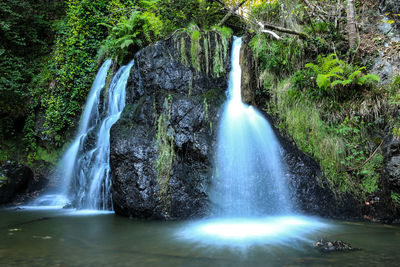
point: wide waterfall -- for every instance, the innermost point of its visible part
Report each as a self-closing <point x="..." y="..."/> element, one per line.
<point x="84" y="167"/>
<point x="249" y="180"/>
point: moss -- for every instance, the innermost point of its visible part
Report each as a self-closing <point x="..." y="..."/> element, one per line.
<point x="202" y="56"/>
<point x="127" y="119"/>
<point x="166" y="155"/>
<point x="214" y="96"/>
<point x="182" y="48"/>
<point x="206" y="43"/>
<point x="218" y="62"/>
<point x="341" y="149"/>
<point x="195" y="49"/>
<point x="190" y="85"/>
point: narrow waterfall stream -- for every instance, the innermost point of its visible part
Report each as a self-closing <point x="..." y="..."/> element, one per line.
<point x="84" y="167"/>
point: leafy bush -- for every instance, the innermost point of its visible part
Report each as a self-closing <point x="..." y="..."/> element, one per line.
<point x="332" y="73"/>
<point x="141" y="27"/>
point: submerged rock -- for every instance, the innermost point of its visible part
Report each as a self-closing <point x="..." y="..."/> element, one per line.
<point x="162" y="147"/>
<point x="331" y="246"/>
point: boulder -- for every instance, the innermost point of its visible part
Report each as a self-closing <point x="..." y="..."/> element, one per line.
<point x="14" y="180"/>
<point x="161" y="149"/>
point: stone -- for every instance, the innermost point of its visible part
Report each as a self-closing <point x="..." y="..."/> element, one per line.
<point x="331" y="246"/>
<point x="14" y="180"/>
<point x="161" y="149"/>
<point x="391" y="153"/>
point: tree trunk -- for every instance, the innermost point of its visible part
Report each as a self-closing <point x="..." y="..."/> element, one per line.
<point x="351" y="24"/>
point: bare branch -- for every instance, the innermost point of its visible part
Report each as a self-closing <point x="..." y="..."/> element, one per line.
<point x="284" y="30"/>
<point x="271" y="33"/>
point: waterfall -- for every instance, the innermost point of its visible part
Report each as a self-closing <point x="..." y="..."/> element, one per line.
<point x="249" y="192"/>
<point x="92" y="173"/>
<point x="249" y="178"/>
<point x="84" y="167"/>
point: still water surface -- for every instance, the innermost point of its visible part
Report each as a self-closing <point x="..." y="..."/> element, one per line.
<point x="66" y="238"/>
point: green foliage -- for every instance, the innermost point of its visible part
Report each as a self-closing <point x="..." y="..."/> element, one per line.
<point x="203" y="57"/>
<point x="178" y="14"/>
<point x="74" y="66"/>
<point x="341" y="149"/>
<point x="280" y="57"/>
<point x="25" y="37"/>
<point x="395" y="198"/>
<point x="332" y="72"/>
<point x="141" y="27"/>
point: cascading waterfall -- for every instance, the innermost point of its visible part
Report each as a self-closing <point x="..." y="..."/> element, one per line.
<point x="84" y="167"/>
<point x="92" y="172"/>
<point x="66" y="166"/>
<point x="249" y="176"/>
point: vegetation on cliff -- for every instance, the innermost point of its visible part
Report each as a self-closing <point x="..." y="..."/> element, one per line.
<point x="322" y="92"/>
<point x="318" y="64"/>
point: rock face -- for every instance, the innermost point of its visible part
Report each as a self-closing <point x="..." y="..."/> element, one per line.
<point x="309" y="190"/>
<point x="249" y="73"/>
<point x="14" y="180"/>
<point x="162" y="147"/>
<point x="391" y="155"/>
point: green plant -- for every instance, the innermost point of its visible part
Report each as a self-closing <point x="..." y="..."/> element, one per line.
<point x="280" y="57"/>
<point x="332" y="72"/>
<point x="137" y="30"/>
<point x="396" y="198"/>
<point x="204" y="58"/>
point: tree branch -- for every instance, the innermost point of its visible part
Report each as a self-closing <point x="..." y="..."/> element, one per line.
<point x="368" y="159"/>
<point x="231" y="12"/>
<point x="284" y="30"/>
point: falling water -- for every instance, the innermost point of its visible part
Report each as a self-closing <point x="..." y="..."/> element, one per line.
<point x="66" y="166"/>
<point x="92" y="174"/>
<point x="85" y="165"/>
<point x="250" y="195"/>
<point x="249" y="176"/>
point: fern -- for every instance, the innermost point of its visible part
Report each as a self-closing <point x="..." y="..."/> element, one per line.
<point x="332" y="72"/>
<point x="139" y="29"/>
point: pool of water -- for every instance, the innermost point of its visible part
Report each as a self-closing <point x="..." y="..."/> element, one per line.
<point x="56" y="237"/>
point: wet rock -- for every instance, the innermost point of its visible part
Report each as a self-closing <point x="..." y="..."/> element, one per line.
<point x="391" y="153"/>
<point x="14" y="180"/>
<point x="331" y="246"/>
<point x="162" y="147"/>
<point x="250" y="89"/>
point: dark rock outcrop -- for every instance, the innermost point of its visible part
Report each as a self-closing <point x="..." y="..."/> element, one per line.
<point x="391" y="153"/>
<point x="309" y="189"/>
<point x="162" y="147"/>
<point x="14" y="180"/>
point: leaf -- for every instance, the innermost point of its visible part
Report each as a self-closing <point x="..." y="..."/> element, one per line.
<point x="323" y="81"/>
